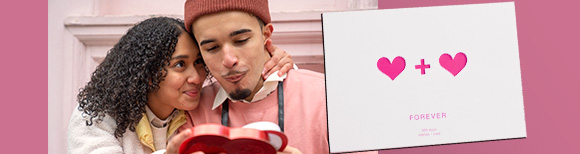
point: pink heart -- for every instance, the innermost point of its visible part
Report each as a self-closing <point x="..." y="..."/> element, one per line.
<point x="455" y="65"/>
<point x="391" y="69"/>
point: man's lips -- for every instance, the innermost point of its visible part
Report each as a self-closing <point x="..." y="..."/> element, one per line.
<point x="235" y="78"/>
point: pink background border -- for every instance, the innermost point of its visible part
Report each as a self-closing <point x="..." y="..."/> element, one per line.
<point x="548" y="36"/>
<point x="24" y="76"/>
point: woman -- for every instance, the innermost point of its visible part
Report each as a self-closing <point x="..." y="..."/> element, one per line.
<point x="135" y="100"/>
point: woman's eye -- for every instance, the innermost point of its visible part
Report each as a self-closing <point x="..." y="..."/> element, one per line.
<point x="198" y="61"/>
<point x="179" y="64"/>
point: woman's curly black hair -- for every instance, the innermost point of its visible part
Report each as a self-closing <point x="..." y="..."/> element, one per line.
<point x="133" y="68"/>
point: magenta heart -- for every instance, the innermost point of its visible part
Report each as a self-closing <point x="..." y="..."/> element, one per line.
<point x="453" y="65"/>
<point x="391" y="69"/>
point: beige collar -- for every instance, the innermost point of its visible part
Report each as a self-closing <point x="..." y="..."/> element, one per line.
<point x="143" y="128"/>
<point x="155" y="121"/>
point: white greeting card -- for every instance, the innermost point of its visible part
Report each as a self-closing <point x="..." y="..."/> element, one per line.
<point x="422" y="76"/>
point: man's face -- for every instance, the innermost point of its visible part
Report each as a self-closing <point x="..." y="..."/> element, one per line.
<point x="232" y="45"/>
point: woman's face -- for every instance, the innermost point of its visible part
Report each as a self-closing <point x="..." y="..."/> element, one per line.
<point x="182" y="85"/>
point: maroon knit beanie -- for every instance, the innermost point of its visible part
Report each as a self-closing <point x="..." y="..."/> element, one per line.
<point x="197" y="8"/>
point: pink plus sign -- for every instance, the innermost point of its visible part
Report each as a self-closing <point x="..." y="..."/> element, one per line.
<point x="422" y="66"/>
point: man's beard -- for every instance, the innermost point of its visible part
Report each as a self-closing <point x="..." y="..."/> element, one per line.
<point x="240" y="94"/>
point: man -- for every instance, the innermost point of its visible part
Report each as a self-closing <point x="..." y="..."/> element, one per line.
<point x="232" y="35"/>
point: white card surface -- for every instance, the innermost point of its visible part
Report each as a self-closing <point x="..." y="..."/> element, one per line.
<point x="474" y="93"/>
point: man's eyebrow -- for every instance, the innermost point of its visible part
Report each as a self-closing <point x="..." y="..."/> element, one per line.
<point x="206" y="42"/>
<point x="179" y="57"/>
<point x="239" y="32"/>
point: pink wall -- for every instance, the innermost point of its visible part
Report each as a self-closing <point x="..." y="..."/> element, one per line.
<point x="549" y="36"/>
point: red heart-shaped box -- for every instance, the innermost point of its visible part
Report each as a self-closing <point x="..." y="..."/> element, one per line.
<point x="215" y="138"/>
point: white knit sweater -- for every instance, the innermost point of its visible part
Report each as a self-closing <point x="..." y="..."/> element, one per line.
<point x="99" y="137"/>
